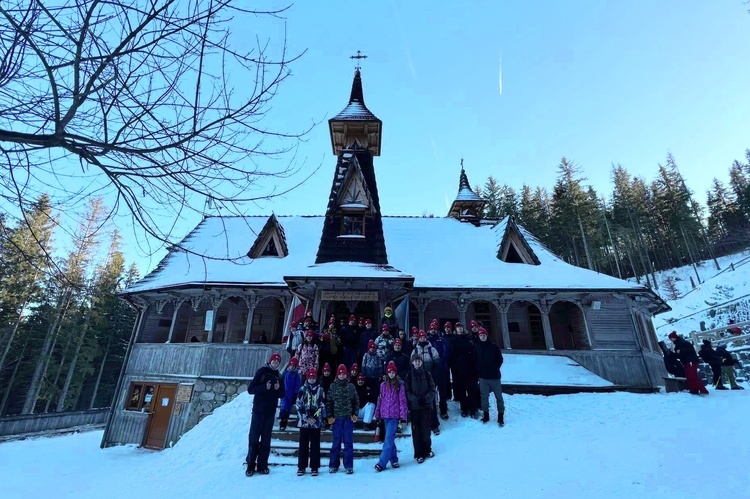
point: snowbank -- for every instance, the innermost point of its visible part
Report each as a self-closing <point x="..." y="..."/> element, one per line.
<point x="584" y="445"/>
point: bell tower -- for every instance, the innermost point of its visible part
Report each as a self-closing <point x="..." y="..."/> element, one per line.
<point x="467" y="207"/>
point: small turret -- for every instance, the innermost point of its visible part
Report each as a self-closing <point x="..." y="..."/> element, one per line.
<point x="468" y="206"/>
<point x="355" y="126"/>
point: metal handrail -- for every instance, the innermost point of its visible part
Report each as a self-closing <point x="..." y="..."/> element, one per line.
<point x="715" y="334"/>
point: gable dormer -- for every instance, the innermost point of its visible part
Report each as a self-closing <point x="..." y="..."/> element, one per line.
<point x="514" y="248"/>
<point x="271" y="241"/>
<point x="354" y="195"/>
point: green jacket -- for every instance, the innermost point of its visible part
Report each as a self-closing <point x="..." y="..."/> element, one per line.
<point x="342" y="400"/>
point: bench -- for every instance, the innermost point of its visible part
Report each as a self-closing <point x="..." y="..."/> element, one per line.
<point x="674" y="385"/>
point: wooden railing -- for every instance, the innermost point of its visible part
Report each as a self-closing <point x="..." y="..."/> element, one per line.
<point x="715" y="334"/>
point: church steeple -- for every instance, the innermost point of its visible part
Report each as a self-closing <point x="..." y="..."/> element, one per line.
<point x="355" y="125"/>
<point x="467" y="207"/>
<point x="353" y="229"/>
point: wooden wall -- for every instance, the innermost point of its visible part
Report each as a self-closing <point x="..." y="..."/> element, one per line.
<point x="34" y="423"/>
<point x="611" y="327"/>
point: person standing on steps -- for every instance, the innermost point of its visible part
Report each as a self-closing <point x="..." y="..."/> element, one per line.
<point x="312" y="412"/>
<point x="292" y="384"/>
<point x="686" y="352"/>
<point x="420" y="396"/>
<point x="267" y="389"/>
<point x="342" y="407"/>
<point x="391" y="408"/>
<point x="489" y="359"/>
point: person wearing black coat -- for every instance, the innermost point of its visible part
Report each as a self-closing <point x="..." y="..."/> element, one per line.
<point x="399" y="357"/>
<point x="464" y="368"/>
<point x="689" y="359"/>
<point x="267" y="388"/>
<point x="727" y="366"/>
<point x="420" y="397"/>
<point x="489" y="359"/>
<point x="708" y="354"/>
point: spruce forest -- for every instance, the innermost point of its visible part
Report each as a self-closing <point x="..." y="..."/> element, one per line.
<point x="63" y="331"/>
<point x="640" y="228"/>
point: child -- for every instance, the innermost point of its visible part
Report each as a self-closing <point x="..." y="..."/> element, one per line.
<point x="392" y="409"/>
<point x="727" y="366"/>
<point x="353" y="373"/>
<point x="342" y="408"/>
<point x="312" y="412"/>
<point x="292" y="382"/>
<point x="372" y="363"/>
<point x="325" y="382"/>
<point x="307" y="353"/>
<point x="368" y="397"/>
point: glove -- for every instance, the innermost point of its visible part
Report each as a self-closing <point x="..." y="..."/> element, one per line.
<point x="331" y="420"/>
<point x="354" y="419"/>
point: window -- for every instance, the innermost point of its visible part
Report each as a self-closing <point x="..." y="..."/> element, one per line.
<point x="353" y="225"/>
<point x="140" y="396"/>
<point x="270" y="249"/>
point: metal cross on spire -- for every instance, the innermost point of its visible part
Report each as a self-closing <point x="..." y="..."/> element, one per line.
<point x="358" y="57"/>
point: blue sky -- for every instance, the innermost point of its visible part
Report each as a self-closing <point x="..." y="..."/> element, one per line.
<point x="598" y="82"/>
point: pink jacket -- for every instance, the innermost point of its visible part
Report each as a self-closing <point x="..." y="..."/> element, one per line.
<point x="391" y="402"/>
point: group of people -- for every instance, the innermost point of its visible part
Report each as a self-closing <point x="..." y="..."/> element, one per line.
<point x="392" y="378"/>
<point x="683" y="362"/>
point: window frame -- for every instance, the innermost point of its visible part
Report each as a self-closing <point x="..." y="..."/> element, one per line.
<point x="141" y="400"/>
<point x="355" y="216"/>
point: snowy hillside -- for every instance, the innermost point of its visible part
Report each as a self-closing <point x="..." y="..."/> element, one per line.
<point x="726" y="290"/>
<point x="564" y="446"/>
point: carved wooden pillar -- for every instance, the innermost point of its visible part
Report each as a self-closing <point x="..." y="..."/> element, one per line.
<point x="584" y="312"/>
<point x="215" y="303"/>
<point x="177" y="306"/>
<point x="422" y="307"/>
<point x="462" y="304"/>
<point x="252" y="302"/>
<point x="544" y="307"/>
<point x="502" y="307"/>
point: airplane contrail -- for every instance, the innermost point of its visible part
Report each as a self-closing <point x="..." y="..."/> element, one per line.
<point x="500" y="81"/>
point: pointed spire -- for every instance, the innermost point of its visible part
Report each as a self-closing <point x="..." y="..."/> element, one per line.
<point x="357" y="94"/>
<point x="355" y="124"/>
<point x="468" y="205"/>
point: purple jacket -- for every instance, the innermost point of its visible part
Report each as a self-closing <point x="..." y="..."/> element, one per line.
<point x="391" y="402"/>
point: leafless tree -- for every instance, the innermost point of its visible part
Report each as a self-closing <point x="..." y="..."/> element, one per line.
<point x="156" y="103"/>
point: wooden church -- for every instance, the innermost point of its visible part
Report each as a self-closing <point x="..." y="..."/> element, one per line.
<point x="206" y="325"/>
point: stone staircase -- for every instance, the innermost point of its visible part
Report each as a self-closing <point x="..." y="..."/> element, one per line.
<point x="284" y="443"/>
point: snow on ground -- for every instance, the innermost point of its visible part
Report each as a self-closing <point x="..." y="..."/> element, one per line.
<point x="615" y="445"/>
<point x="717" y="287"/>
<point x="547" y="370"/>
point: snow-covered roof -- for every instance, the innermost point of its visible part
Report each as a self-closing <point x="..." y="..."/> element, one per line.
<point x="437" y="252"/>
<point x="355" y="111"/>
<point x="466" y="194"/>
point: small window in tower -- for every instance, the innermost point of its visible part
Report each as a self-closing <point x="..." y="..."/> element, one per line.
<point x="353" y="225"/>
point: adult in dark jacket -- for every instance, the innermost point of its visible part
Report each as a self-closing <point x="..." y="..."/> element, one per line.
<point x="350" y="341"/>
<point x="689" y="359"/>
<point x="440" y="372"/>
<point x="267" y="389"/>
<point x="709" y="356"/>
<point x="399" y="357"/>
<point x="389" y="319"/>
<point x="489" y="359"/>
<point x="727" y="366"/>
<point x="464" y="367"/>
<point x="420" y="396"/>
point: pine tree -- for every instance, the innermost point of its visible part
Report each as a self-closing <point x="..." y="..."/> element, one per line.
<point x="491" y="194"/>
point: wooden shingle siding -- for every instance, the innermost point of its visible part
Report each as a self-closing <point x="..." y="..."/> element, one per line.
<point x="128" y="427"/>
<point x="621" y="368"/>
<point x="611" y="327"/>
<point x="33" y="423"/>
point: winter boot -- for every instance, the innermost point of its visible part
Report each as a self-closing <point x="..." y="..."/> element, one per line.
<point x="485" y="417"/>
<point x="738" y="387"/>
<point x="721" y="387"/>
<point x="501" y="419"/>
<point x="249" y="471"/>
<point x="282" y="425"/>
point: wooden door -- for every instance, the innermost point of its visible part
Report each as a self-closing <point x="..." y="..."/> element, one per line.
<point x="161" y="414"/>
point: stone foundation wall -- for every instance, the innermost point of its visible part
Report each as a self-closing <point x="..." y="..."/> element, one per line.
<point x="208" y="394"/>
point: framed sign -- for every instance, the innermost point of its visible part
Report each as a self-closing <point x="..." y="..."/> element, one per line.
<point x="184" y="392"/>
<point x="349" y="295"/>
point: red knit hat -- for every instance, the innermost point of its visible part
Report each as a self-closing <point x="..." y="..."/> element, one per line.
<point x="327" y="367"/>
<point x="673" y="335"/>
<point x="414" y="330"/>
<point x="312" y="373"/>
<point x="355" y="367"/>
<point x="482" y="331"/>
<point x="398" y="341"/>
<point x="391" y="367"/>
<point x="309" y="333"/>
<point x="352" y="318"/>
<point x="422" y="334"/>
<point x="385" y="328"/>
<point x="274" y="356"/>
<point x="342" y="370"/>
<point x="294" y="361"/>
<point x="368" y="321"/>
<point x="371" y="344"/>
<point x="448" y="325"/>
<point x="326" y="337"/>
<point x="361" y="377"/>
<point x="473" y="324"/>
